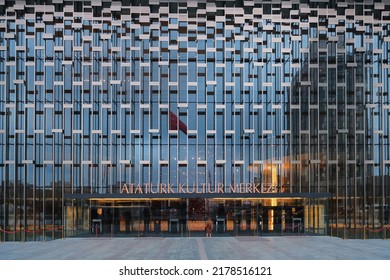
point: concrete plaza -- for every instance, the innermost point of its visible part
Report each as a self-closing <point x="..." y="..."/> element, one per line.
<point x="199" y="248"/>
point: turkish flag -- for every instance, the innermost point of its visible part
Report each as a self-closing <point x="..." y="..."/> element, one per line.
<point x="175" y="123"/>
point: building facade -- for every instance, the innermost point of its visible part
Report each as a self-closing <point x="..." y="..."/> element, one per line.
<point x="129" y="118"/>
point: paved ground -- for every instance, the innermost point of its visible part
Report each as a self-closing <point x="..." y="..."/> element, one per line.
<point x="199" y="248"/>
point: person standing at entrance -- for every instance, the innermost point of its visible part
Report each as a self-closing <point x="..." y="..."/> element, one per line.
<point x="260" y="225"/>
<point x="209" y="227"/>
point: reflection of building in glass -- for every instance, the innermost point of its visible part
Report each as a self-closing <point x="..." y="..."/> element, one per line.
<point x="147" y="117"/>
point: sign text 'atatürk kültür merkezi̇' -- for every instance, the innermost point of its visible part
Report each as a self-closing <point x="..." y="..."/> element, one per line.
<point x="241" y="188"/>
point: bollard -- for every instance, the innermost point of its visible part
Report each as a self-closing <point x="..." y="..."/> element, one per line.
<point x="364" y="232"/>
<point x="384" y="232"/>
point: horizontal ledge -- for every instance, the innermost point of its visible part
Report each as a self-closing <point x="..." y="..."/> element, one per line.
<point x="197" y="195"/>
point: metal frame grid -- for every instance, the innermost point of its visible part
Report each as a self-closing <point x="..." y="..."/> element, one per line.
<point x="279" y="93"/>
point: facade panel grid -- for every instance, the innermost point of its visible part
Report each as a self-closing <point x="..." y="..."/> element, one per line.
<point x="292" y="98"/>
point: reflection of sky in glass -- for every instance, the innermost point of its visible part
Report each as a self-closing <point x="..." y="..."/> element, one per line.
<point x="257" y="102"/>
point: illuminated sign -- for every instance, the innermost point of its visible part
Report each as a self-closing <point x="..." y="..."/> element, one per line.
<point x="242" y="188"/>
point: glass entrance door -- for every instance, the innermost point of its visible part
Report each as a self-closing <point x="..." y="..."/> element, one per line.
<point x="101" y="220"/>
<point x="120" y="218"/>
<point x="132" y="219"/>
<point x="281" y="220"/>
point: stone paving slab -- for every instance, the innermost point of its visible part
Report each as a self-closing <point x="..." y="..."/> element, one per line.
<point x="199" y="248"/>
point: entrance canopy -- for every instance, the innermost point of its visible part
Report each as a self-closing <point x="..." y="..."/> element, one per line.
<point x="196" y="195"/>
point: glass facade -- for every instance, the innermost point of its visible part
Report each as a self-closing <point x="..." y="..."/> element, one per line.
<point x="146" y="117"/>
